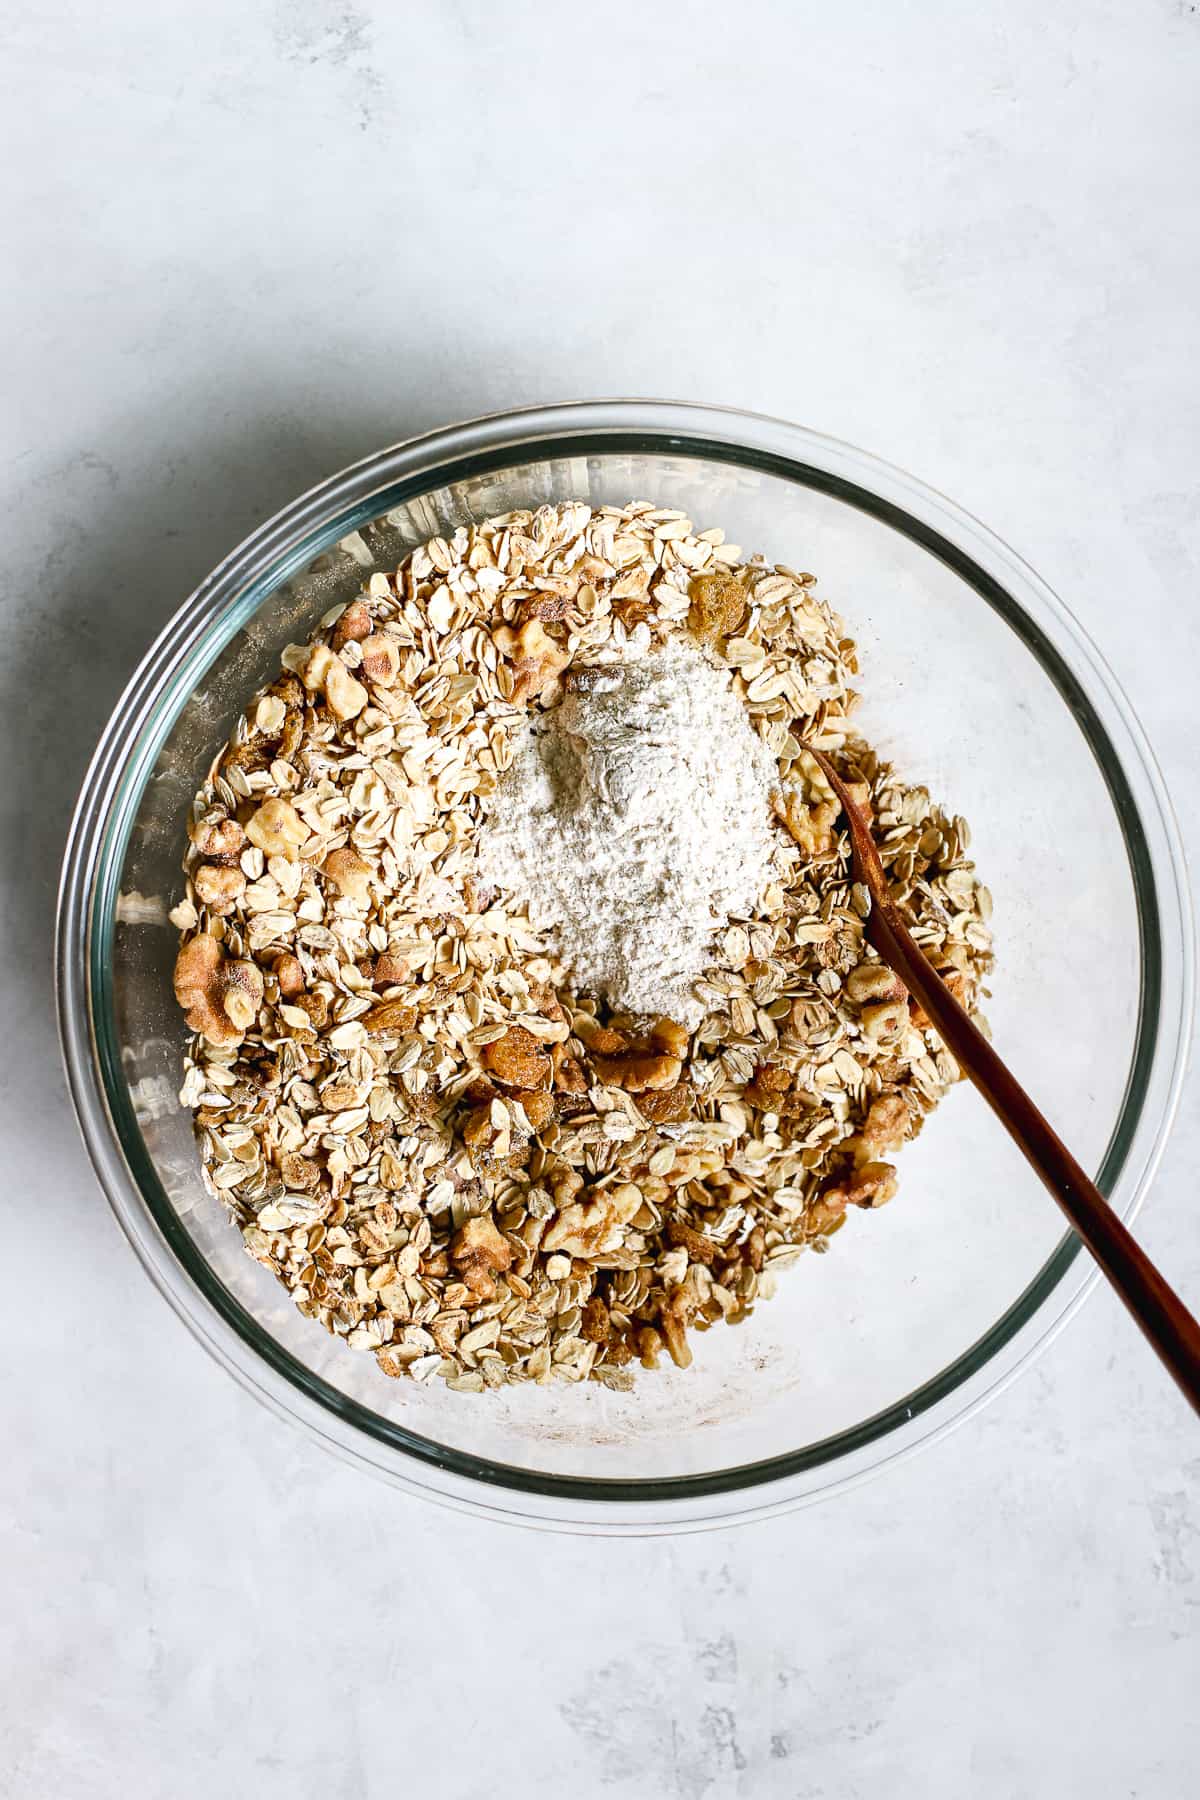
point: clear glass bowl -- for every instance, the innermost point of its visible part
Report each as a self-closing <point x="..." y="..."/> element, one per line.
<point x="979" y="683"/>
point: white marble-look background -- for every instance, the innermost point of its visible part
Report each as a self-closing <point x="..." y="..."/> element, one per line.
<point x="247" y="242"/>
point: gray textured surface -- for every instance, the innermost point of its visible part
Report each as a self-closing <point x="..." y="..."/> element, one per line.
<point x="249" y="242"/>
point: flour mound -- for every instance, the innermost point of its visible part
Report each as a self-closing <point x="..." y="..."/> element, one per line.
<point x="634" y="822"/>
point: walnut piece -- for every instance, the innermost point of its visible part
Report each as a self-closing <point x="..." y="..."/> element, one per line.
<point x="595" y="1324"/>
<point x="277" y="829"/>
<point x="637" y="1071"/>
<point x="634" y="1060"/>
<point x="390" y="1015"/>
<point x="569" y="1077"/>
<point x="317" y="1008"/>
<point x="872" y="983"/>
<point x="381" y="660"/>
<point x="603" y="1038"/>
<point x="219" y="840"/>
<point x="535" y="657"/>
<point x="666" y="1106"/>
<point x="718" y="605"/>
<point x="808" y="823"/>
<point x="668" y="1035"/>
<point x="886" y="1019"/>
<point x="219" y="888"/>
<point x="349" y="873"/>
<point x="352" y="627"/>
<point x="220" y="998"/>
<point x="242" y="993"/>
<point x="198" y="989"/>
<point x="390" y="970"/>
<point x="871" y="1184"/>
<point x="675" y="1318"/>
<point x="700" y="1249"/>
<point x="770" y="1086"/>
<point x="518" y="1060"/>
<point x="538" y="1107"/>
<point x="886" y="1125"/>
<point x="589" y="1228"/>
<point x="479" y="1250"/>
<point x="289" y="973"/>
<point x="327" y="674"/>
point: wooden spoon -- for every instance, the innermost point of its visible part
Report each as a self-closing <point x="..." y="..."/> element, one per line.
<point x="1159" y="1311"/>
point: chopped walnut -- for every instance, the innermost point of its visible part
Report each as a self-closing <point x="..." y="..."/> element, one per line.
<point x="317" y="1008"/>
<point x="871" y="1184"/>
<point x="955" y="979"/>
<point x="538" y="1107"/>
<point x="479" y="1251"/>
<point x="219" y="840"/>
<point x="242" y="993"/>
<point x="769" y="1086"/>
<point x="808" y="823"/>
<point x="535" y="656"/>
<point x="218" y="887"/>
<point x="636" y="1071"/>
<point x="872" y="983"/>
<point x="289" y="974"/>
<point x="667" y="1106"/>
<point x="390" y="970"/>
<point x="327" y="674"/>
<point x="381" y="660"/>
<point x="588" y="1228"/>
<point x="886" y="1125"/>
<point x="595" y="1324"/>
<point x="518" y="1059"/>
<point x="674" y="1319"/>
<point x="569" y="1077"/>
<point x="666" y="1034"/>
<point x="220" y="997"/>
<point x="277" y="829"/>
<point x="718" y="605"/>
<point x="700" y="1249"/>
<point x="349" y="873"/>
<point x="886" y="1019"/>
<point x="824" y="1214"/>
<point x="390" y="1015"/>
<point x="352" y="627"/>
<point x="604" y="1039"/>
<point x="197" y="989"/>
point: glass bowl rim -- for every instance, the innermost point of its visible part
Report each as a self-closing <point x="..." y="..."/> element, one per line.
<point x="288" y="543"/>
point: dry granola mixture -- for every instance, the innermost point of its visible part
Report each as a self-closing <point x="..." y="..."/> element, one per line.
<point x="449" y="1157"/>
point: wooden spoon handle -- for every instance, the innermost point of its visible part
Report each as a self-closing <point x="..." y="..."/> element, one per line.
<point x="1162" y="1315"/>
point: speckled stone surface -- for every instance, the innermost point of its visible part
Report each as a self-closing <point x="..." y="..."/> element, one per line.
<point x="249" y="242"/>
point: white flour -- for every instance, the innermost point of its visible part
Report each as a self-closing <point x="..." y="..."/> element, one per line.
<point x="635" y="821"/>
